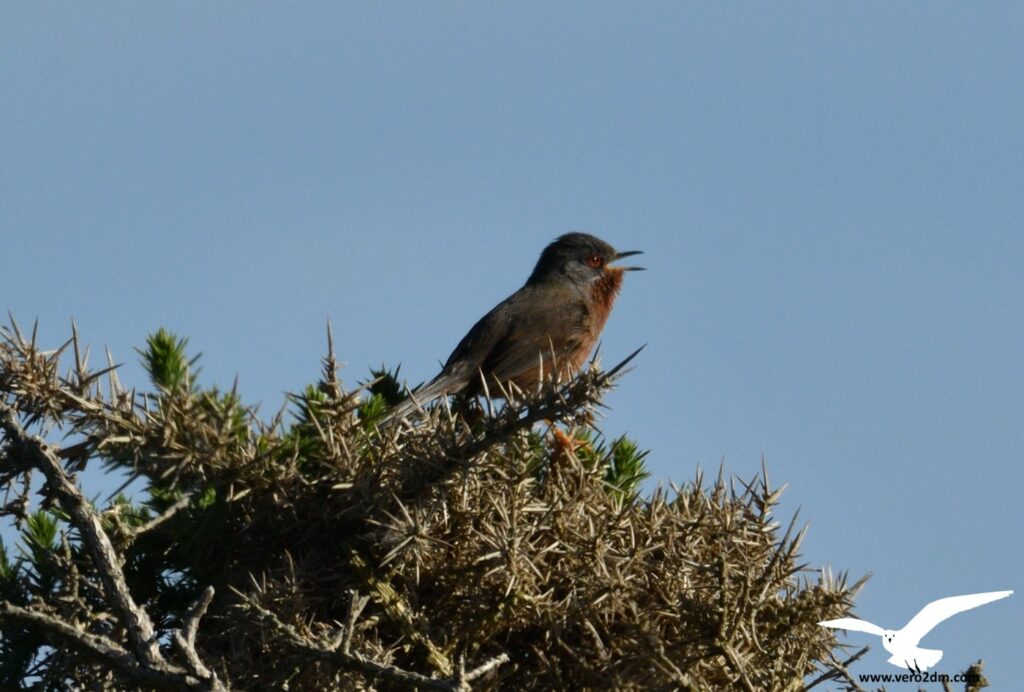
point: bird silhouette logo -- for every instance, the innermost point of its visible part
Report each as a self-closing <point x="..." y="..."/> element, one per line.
<point x="902" y="644"/>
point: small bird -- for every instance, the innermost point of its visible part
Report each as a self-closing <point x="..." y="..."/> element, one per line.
<point x="554" y="319"/>
<point x="902" y="644"/>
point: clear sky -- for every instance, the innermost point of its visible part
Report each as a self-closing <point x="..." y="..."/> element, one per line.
<point x="830" y="197"/>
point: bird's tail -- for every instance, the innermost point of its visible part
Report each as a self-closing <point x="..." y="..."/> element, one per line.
<point x="418" y="398"/>
<point x="918" y="660"/>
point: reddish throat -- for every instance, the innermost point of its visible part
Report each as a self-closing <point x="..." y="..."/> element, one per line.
<point x="603" y="296"/>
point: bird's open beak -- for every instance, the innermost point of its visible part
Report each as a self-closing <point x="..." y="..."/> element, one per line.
<point x="629" y="253"/>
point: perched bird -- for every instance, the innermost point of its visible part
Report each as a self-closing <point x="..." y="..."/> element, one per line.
<point x="554" y="319"/>
<point x="903" y="643"/>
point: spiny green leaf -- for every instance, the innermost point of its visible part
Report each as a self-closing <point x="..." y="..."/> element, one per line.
<point x="6" y="568"/>
<point x="626" y="469"/>
<point x="166" y="362"/>
<point x="387" y="385"/>
<point x="310" y="403"/>
<point x="41" y="531"/>
<point x="374" y="409"/>
<point x="207" y="497"/>
<point x="227" y="406"/>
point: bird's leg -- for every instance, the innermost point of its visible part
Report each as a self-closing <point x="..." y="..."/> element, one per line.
<point x="563" y="444"/>
<point x="469" y="409"/>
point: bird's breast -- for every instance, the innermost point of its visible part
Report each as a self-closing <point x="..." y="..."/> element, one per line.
<point x="602" y="297"/>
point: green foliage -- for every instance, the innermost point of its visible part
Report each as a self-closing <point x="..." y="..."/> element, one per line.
<point x="622" y="461"/>
<point x="384" y="390"/>
<point x="41" y="532"/>
<point x="625" y="469"/>
<point x="18" y="645"/>
<point x="161" y="498"/>
<point x="385" y="383"/>
<point x="310" y="406"/>
<point x="375" y="408"/>
<point x="206" y="499"/>
<point x="123" y="515"/>
<point x="226" y="407"/>
<point x="8" y="571"/>
<point x="165" y="360"/>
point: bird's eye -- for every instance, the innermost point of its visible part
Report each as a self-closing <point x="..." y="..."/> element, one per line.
<point x="595" y="261"/>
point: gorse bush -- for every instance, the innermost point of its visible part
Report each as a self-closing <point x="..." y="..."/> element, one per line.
<point x="504" y="547"/>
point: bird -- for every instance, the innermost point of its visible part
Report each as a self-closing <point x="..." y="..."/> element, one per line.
<point x="545" y="329"/>
<point x="902" y="644"/>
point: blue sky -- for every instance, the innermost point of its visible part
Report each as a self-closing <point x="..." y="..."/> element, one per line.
<point x="829" y="196"/>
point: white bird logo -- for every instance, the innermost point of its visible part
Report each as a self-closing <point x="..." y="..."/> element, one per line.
<point x="902" y="644"/>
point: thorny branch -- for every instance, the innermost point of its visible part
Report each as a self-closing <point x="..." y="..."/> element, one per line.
<point x="149" y="662"/>
<point x="840" y="670"/>
<point x="100" y="648"/>
<point x="339" y="652"/>
<point x="185" y="638"/>
<point x="162" y="518"/>
<point x="556" y="401"/>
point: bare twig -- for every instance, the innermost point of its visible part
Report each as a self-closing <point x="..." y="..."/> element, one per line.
<point x="355" y="608"/>
<point x="160" y="675"/>
<point x="163" y="517"/>
<point x="482" y="669"/>
<point x="840" y="670"/>
<point x="185" y="638"/>
<point x="738" y="667"/>
<point x="336" y="654"/>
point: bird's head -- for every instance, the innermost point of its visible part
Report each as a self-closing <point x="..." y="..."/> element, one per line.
<point x="580" y="258"/>
<point x="889" y="640"/>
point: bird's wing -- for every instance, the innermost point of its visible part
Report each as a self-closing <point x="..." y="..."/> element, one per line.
<point x="537" y="322"/>
<point x="853" y="624"/>
<point x="510" y="340"/>
<point x="937" y="611"/>
<point x="464" y="362"/>
<point x="490" y="331"/>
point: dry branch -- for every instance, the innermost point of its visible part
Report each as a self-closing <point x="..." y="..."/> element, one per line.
<point x="339" y="652"/>
<point x="158" y="675"/>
